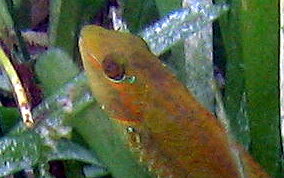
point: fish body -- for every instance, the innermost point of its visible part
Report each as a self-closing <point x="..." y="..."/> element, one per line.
<point x="171" y="132"/>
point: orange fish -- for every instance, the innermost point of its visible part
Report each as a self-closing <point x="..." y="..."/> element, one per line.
<point x="172" y="133"/>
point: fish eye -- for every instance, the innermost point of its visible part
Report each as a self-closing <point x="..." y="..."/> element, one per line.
<point x="112" y="69"/>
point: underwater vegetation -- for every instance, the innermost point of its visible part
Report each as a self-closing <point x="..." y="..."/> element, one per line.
<point x="132" y="115"/>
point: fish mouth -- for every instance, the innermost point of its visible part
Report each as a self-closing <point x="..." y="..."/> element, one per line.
<point x="89" y="55"/>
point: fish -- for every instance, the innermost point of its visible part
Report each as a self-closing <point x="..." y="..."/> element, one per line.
<point x="166" y="127"/>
